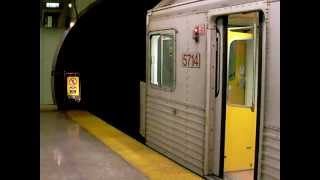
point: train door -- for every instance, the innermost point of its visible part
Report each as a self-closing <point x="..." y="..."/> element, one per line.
<point x="238" y="57"/>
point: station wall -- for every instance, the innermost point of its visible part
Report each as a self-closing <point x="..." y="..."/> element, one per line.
<point x="49" y="41"/>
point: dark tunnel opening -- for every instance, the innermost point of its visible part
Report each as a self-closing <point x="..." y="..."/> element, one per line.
<point x="108" y="50"/>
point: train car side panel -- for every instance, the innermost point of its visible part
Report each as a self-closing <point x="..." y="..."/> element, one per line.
<point x="270" y="164"/>
<point x="175" y="120"/>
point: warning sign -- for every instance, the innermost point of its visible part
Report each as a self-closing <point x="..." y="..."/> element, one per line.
<point x="73" y="87"/>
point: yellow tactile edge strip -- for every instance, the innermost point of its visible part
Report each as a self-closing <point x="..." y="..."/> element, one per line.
<point x="150" y="163"/>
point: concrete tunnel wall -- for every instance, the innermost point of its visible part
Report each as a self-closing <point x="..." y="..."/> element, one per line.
<point x="49" y="41"/>
<point x="109" y="53"/>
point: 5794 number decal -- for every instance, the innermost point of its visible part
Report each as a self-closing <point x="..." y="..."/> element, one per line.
<point x="191" y="60"/>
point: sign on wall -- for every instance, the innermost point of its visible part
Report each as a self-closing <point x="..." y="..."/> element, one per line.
<point x="191" y="60"/>
<point x="73" y="86"/>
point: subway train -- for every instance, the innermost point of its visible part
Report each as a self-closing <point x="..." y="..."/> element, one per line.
<point x="211" y="99"/>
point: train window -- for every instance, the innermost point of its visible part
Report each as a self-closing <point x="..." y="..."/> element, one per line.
<point x="239" y="75"/>
<point x="162" y="57"/>
<point x="242" y="54"/>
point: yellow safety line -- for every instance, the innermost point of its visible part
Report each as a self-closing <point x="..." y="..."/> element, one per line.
<point x="149" y="162"/>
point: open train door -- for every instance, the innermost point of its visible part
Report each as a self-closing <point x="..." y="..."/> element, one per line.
<point x="220" y="97"/>
<point x="237" y="82"/>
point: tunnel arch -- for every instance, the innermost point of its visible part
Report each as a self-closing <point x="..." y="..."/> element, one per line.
<point x="109" y="53"/>
<point x="58" y="66"/>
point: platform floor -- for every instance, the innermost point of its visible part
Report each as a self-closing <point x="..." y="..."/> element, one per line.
<point x="79" y="145"/>
<point x="67" y="152"/>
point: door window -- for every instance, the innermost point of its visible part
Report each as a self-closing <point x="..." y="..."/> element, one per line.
<point x="162" y="58"/>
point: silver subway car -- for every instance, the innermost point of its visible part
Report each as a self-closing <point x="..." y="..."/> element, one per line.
<point x="211" y="100"/>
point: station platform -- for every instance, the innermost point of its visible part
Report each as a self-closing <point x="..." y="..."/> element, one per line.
<point x="78" y="145"/>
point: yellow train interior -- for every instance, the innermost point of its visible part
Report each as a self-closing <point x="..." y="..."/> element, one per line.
<point x="240" y="132"/>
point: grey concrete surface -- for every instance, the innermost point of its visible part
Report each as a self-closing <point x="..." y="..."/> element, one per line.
<point x="67" y="152"/>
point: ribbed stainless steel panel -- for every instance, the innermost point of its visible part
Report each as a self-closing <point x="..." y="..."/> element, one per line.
<point x="142" y="129"/>
<point x="177" y="131"/>
<point x="270" y="167"/>
<point x="195" y="142"/>
<point x="176" y="158"/>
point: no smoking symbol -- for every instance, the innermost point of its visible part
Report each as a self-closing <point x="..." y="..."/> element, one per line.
<point x="73" y="82"/>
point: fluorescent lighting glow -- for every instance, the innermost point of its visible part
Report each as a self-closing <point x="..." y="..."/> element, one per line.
<point x="70" y="5"/>
<point x="52" y="5"/>
<point x="49" y="24"/>
<point x="72" y="24"/>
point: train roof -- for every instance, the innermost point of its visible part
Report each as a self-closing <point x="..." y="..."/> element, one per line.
<point x="167" y="4"/>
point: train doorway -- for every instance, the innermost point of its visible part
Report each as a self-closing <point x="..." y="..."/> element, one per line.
<point x="240" y="37"/>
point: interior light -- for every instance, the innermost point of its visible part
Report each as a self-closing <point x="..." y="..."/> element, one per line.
<point x="70" y="5"/>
